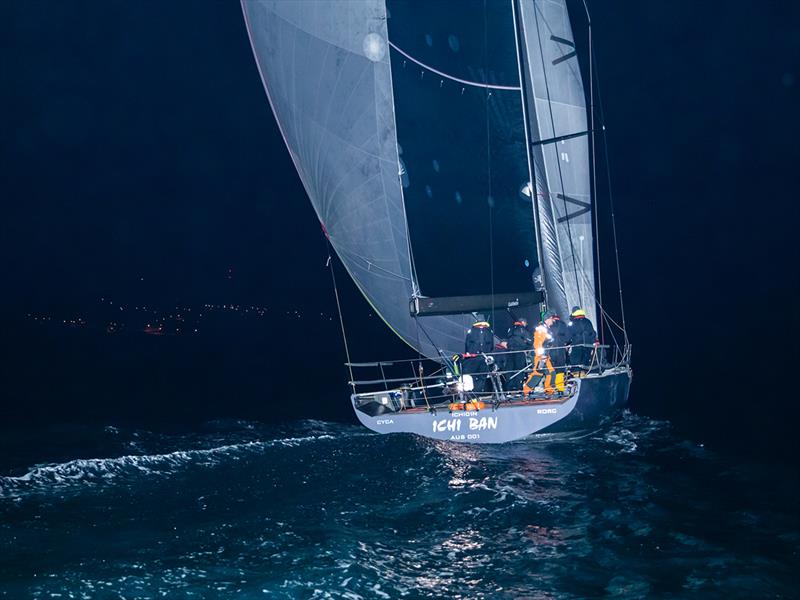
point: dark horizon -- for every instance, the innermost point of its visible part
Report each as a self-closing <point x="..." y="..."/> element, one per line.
<point x="141" y="162"/>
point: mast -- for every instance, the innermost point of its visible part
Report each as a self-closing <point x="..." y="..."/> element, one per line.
<point x="598" y="301"/>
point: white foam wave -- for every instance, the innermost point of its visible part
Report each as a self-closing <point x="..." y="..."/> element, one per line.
<point x="96" y="471"/>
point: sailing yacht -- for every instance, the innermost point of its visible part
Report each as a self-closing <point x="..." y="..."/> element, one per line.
<point x="448" y="151"/>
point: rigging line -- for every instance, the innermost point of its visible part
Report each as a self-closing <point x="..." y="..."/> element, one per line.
<point x="616" y="245"/>
<point x="444" y="358"/>
<point x="341" y="319"/>
<point x="451" y="77"/>
<point x="616" y="342"/>
<point x="612" y="321"/>
<point x="599" y="278"/>
<point x="489" y="200"/>
<point x="611" y="206"/>
<point x="419" y="344"/>
<point x="522" y="51"/>
<point x="519" y="35"/>
<point x="607" y="315"/>
<point x="596" y="77"/>
<point x="604" y="312"/>
<point x="599" y="302"/>
<point x="558" y="159"/>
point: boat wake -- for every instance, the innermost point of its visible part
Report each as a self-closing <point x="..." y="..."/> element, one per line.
<point x="128" y="469"/>
<point x="93" y="473"/>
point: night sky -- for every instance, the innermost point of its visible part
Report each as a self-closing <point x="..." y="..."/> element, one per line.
<point x="139" y="161"/>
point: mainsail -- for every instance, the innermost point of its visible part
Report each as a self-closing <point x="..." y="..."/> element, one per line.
<point x="558" y="125"/>
<point x="415" y="128"/>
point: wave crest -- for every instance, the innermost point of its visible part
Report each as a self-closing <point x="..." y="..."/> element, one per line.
<point x="88" y="472"/>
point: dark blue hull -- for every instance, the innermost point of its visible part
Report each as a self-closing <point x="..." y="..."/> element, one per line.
<point x="596" y="400"/>
<point x="601" y="400"/>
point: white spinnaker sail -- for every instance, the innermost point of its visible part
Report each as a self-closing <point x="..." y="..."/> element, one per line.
<point x="325" y="67"/>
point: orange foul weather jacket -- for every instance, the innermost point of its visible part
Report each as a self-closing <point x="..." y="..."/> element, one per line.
<point x="541" y="362"/>
<point x="541" y="335"/>
<point x="542" y="366"/>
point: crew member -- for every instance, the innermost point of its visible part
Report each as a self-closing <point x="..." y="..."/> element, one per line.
<point x="479" y="342"/>
<point x="557" y="349"/>
<point x="518" y="340"/>
<point x="480" y="339"/>
<point x="582" y="338"/>
<point x="542" y="366"/>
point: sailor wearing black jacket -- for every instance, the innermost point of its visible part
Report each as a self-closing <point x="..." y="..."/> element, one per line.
<point x="582" y="337"/>
<point x="479" y="341"/>
<point x="519" y="338"/>
<point x="557" y="347"/>
<point x="557" y="350"/>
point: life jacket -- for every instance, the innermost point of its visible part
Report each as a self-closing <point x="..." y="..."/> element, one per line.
<point x="471" y="405"/>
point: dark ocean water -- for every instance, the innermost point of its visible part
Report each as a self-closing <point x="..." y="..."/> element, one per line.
<point x="322" y="510"/>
